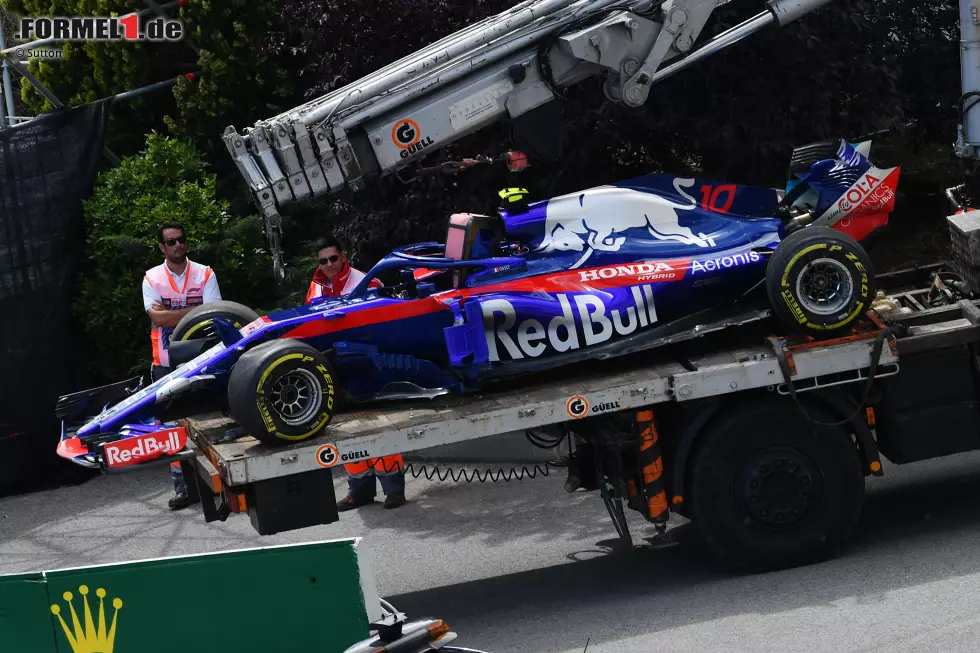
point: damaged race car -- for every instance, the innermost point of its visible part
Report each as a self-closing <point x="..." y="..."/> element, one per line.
<point x="605" y="272"/>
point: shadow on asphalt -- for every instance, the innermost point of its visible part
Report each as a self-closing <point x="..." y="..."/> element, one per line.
<point x="642" y="591"/>
<point x="94" y="522"/>
<point x="452" y="512"/>
<point x="23" y="471"/>
<point x="919" y="526"/>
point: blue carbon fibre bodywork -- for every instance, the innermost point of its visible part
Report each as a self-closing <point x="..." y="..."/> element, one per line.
<point x="578" y="273"/>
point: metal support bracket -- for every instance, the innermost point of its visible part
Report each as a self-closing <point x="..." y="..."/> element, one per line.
<point x="348" y="161"/>
<point x="260" y="145"/>
<point x="682" y="25"/>
<point x="614" y="506"/>
<point x="315" y="176"/>
<point x="288" y="155"/>
<point x="273" y="232"/>
<point x="328" y="159"/>
<point x="257" y="181"/>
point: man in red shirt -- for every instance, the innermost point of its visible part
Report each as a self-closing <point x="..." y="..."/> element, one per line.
<point x="334" y="277"/>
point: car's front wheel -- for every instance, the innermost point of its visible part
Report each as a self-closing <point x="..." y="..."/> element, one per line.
<point x="283" y="391"/>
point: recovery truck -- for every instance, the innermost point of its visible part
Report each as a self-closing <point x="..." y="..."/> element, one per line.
<point x="763" y="441"/>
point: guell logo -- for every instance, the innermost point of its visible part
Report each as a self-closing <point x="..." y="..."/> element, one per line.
<point x="122" y="28"/>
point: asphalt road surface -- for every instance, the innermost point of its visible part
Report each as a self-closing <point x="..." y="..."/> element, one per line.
<point x="517" y="567"/>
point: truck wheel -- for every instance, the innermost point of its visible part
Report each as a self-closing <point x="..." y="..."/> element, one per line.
<point x="198" y="322"/>
<point x="820" y="281"/>
<point x="283" y="391"/>
<point x="771" y="490"/>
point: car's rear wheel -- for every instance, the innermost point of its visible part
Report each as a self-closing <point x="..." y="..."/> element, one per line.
<point x="283" y="391"/>
<point x="199" y="322"/>
<point x="820" y="281"/>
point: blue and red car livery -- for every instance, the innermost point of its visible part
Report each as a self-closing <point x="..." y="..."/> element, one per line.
<point x="596" y="273"/>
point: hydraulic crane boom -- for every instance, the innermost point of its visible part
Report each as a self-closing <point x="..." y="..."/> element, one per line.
<point x="505" y="67"/>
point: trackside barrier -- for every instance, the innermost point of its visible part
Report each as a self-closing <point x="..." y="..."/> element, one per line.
<point x="318" y="596"/>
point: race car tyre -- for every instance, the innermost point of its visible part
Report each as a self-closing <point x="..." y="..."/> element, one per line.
<point x="283" y="391"/>
<point x="820" y="281"/>
<point x="771" y="490"/>
<point x="198" y="322"/>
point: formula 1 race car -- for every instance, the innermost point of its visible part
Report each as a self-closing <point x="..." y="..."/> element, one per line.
<point x="596" y="274"/>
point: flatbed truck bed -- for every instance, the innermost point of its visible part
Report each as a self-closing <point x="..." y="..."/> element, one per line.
<point x="404" y="427"/>
<point x="702" y="393"/>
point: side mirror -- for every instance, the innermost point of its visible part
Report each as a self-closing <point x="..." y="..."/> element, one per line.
<point x="496" y="267"/>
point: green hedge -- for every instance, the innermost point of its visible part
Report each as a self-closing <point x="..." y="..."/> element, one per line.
<point x="168" y="180"/>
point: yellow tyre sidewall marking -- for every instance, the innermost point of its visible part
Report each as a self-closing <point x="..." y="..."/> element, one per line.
<point x="324" y="416"/>
<point x="796" y="257"/>
<point x="194" y="329"/>
<point x="200" y="325"/>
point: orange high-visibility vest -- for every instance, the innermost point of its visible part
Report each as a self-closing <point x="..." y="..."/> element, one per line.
<point x="190" y="294"/>
<point x="344" y="283"/>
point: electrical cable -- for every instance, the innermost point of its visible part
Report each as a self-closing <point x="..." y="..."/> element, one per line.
<point x="964" y="110"/>
<point x="486" y="475"/>
<point x="483" y="476"/>
<point x="543" y="442"/>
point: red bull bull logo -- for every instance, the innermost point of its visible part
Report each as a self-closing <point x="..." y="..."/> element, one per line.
<point x="595" y="220"/>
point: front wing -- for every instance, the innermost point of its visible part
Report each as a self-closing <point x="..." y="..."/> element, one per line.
<point x="133" y="446"/>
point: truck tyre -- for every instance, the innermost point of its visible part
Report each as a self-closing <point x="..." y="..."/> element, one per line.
<point x="820" y="281"/>
<point x="283" y="391"/>
<point x="771" y="490"/>
<point x="198" y="322"/>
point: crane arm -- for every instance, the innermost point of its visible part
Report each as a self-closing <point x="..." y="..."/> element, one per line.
<point x="505" y="67"/>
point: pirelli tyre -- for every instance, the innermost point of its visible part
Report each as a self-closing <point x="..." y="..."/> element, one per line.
<point x="198" y="323"/>
<point x="283" y="391"/>
<point x="820" y="281"/>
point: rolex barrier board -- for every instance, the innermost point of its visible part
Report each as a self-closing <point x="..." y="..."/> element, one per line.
<point x="318" y="596"/>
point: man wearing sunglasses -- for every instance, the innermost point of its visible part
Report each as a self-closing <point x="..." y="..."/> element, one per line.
<point x="334" y="277"/>
<point x="170" y="291"/>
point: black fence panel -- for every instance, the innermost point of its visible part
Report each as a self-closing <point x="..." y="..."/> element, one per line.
<point x="47" y="168"/>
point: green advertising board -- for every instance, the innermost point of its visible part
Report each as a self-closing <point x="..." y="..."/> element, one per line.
<point x="315" y="597"/>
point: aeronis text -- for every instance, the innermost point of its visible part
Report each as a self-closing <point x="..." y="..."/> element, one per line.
<point x="725" y="262"/>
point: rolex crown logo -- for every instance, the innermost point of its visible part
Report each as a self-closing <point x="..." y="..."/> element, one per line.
<point x="91" y="638"/>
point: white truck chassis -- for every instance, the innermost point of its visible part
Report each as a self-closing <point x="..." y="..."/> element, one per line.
<point x="407" y="427"/>
<point x="905" y="385"/>
<point x="768" y="480"/>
